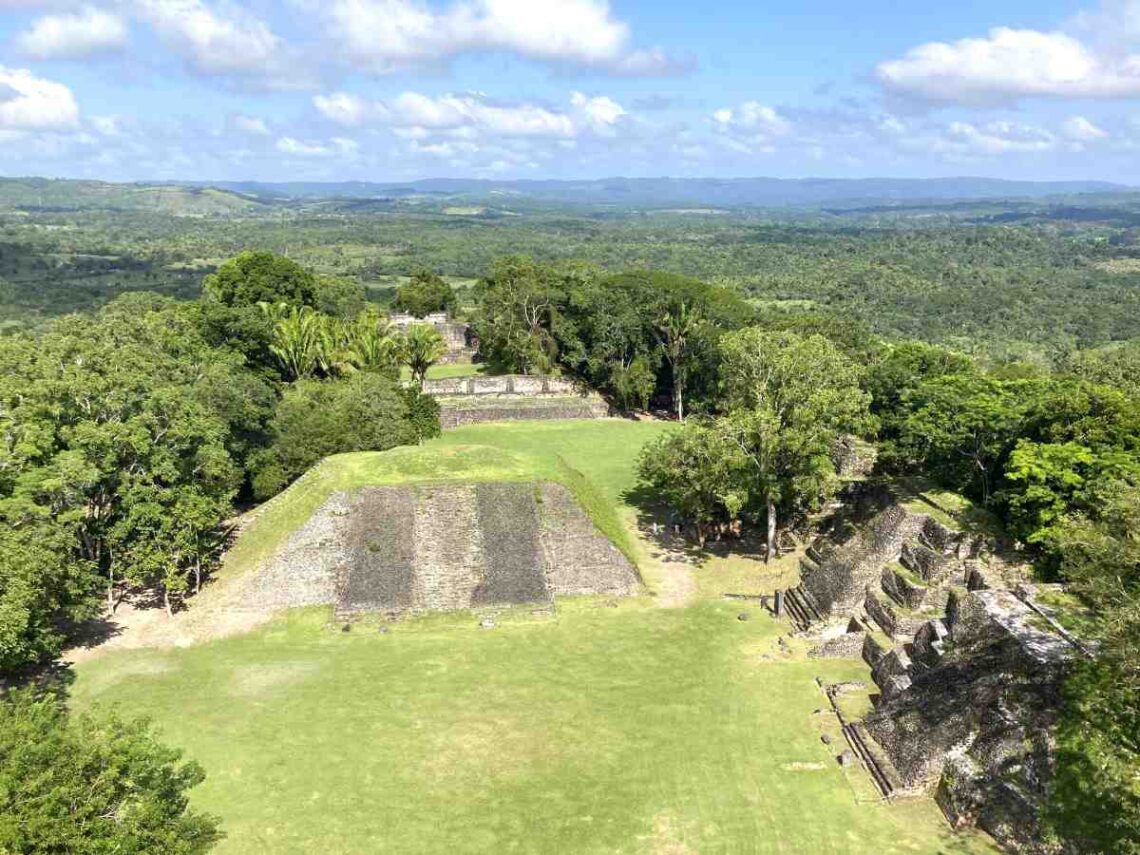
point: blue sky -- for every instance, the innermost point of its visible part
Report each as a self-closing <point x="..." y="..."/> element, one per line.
<point x="400" y="89"/>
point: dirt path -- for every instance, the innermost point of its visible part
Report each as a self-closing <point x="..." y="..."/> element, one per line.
<point x="667" y="567"/>
<point x="219" y="613"/>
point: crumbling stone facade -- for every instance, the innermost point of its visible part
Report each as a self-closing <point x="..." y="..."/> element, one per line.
<point x="970" y="712"/>
<point x="967" y="665"/>
<point x="443" y="547"/>
<point x="460" y="344"/>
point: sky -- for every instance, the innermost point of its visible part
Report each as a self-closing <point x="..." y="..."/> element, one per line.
<point x="393" y="90"/>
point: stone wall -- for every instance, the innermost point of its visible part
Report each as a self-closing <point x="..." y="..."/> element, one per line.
<point x="504" y="384"/>
<point x="442" y="547"/>
<point x="456" y="412"/>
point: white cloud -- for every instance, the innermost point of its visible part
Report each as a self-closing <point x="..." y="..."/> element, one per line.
<point x="387" y="35"/>
<point x="418" y="116"/>
<point x="999" y="138"/>
<point x="412" y="109"/>
<point x="1080" y="129"/>
<point x="752" y="117"/>
<point x="30" y="103"/>
<point x="337" y="146"/>
<point x="1010" y="64"/>
<point x="960" y="142"/>
<point x="66" y="36"/>
<point x="601" y="112"/>
<point x="251" y="125"/>
<point x="346" y="109"/>
<point x="229" y="42"/>
<point x="108" y="126"/>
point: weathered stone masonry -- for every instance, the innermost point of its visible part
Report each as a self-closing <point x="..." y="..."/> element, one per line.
<point x="443" y="547"/>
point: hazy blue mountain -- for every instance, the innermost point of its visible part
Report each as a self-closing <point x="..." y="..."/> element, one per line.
<point x="249" y="197"/>
<point x="764" y="192"/>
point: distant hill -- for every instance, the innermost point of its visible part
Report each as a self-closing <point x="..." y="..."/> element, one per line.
<point x="251" y="197"/>
<point x="657" y="192"/>
<point x="46" y="194"/>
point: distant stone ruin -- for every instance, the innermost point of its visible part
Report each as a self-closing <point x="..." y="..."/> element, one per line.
<point x="460" y="344"/>
<point x="512" y="397"/>
<point x="967" y="662"/>
<point x="443" y="547"/>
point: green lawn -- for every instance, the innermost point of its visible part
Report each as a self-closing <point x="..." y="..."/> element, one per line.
<point x="444" y="372"/>
<point x="605" y="728"/>
<point x="601" y="730"/>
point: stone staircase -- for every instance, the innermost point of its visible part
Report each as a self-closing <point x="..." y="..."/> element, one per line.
<point x="801" y="608"/>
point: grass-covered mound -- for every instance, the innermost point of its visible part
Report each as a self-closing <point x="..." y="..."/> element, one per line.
<point x="594" y="460"/>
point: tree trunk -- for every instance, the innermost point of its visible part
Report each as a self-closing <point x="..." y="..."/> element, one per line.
<point x="197" y="574"/>
<point x="166" y="602"/>
<point x="679" y="397"/>
<point x="771" y="551"/>
<point x="111" y="590"/>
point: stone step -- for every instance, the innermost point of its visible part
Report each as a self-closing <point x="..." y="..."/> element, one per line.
<point x="886" y="779"/>
<point x="796" y="614"/>
<point x="810" y="603"/>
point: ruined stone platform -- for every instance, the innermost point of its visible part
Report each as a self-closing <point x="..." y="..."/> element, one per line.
<point x="512" y="397"/>
<point x="443" y="547"/>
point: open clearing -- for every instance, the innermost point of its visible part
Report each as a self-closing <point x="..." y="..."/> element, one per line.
<point x="609" y="726"/>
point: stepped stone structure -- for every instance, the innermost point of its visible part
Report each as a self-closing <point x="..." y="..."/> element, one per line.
<point x="443" y="547"/>
<point x="512" y="397"/>
<point x="460" y="343"/>
<point x="967" y="663"/>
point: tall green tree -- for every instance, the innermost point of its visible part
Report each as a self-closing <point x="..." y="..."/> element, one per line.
<point x="93" y="784"/>
<point x="301" y="340"/>
<point x="790" y="397"/>
<point x="701" y="472"/>
<point x="372" y="343"/>
<point x="425" y="292"/>
<point x="676" y="328"/>
<point x="102" y="414"/>
<point x="961" y="429"/>
<point x="252" y="278"/>
<point x="45" y="589"/>
<point x="518" y="303"/>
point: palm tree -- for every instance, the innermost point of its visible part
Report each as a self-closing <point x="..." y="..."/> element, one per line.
<point x="422" y="347"/>
<point x="674" y="330"/>
<point x="371" y="345"/>
<point x="300" y="340"/>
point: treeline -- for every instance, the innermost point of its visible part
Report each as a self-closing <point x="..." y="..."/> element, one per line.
<point x="632" y="335"/>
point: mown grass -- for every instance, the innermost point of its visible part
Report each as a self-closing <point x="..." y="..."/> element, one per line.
<point x="599" y="730"/>
<point x="448" y="371"/>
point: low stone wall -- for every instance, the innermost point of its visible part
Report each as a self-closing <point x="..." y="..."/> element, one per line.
<point x="456" y="412"/>
<point x="442" y="547"/>
<point x="505" y="384"/>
